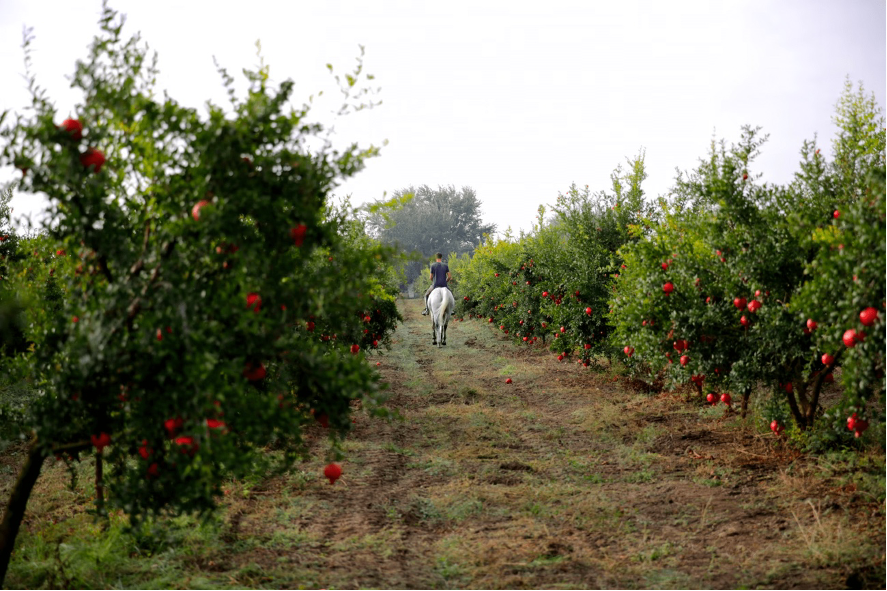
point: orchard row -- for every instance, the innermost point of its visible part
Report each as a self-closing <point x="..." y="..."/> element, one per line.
<point x="729" y="285"/>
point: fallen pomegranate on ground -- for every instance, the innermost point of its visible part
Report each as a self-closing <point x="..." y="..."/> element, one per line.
<point x="333" y="472"/>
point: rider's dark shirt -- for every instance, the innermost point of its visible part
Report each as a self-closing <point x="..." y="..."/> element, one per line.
<point x="439" y="271"/>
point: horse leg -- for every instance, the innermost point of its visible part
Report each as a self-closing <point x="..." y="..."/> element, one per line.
<point x="443" y="334"/>
<point x="433" y="333"/>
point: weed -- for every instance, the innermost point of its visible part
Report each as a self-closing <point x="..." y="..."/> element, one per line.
<point x="547" y="560"/>
<point x="289" y="539"/>
<point x="382" y="544"/>
<point x="434" y="466"/>
<point x="448" y="569"/>
<point x="656" y="553"/>
<point x="464" y="509"/>
<point x="426" y="510"/>
<point x="710" y="475"/>
<point x="830" y="540"/>
<point x="667" y="578"/>
<point x="554" y="434"/>
<point x="639" y="476"/>
<point x="647" y="435"/>
<point x="396" y="449"/>
<point x="468" y="395"/>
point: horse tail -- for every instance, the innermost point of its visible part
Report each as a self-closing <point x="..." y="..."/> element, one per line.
<point x="443" y="310"/>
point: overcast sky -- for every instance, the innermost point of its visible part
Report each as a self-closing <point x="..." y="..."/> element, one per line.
<point x="514" y="99"/>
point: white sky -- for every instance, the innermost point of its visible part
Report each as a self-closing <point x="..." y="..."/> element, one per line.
<point x="515" y="99"/>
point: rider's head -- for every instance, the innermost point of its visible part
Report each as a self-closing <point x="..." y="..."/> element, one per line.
<point x="439" y="256"/>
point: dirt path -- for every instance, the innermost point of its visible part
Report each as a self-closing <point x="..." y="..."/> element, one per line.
<point x="562" y="479"/>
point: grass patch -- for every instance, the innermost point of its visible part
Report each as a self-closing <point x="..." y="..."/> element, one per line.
<point x="383" y="544"/>
<point x="426" y="510"/>
<point x="396" y="449"/>
<point x="435" y="466"/>
<point x="639" y="476"/>
<point x="419" y="386"/>
<point x="712" y="475"/>
<point x="830" y="540"/>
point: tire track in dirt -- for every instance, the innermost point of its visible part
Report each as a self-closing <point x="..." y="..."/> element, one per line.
<point x="360" y="507"/>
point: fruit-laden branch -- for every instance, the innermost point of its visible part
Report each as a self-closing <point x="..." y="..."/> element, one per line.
<point x="803" y="409"/>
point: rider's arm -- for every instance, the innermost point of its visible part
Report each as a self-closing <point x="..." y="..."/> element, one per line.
<point x="449" y="277"/>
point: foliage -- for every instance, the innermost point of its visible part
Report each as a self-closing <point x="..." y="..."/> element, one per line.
<point x="15" y="394"/>
<point x="859" y="146"/>
<point x="720" y="277"/>
<point x="725" y="243"/>
<point x="733" y="284"/>
<point x="556" y="281"/>
<point x="847" y="276"/>
<point x="201" y="297"/>
<point x="740" y="256"/>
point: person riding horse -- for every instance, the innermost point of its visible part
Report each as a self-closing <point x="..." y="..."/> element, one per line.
<point x="440" y="274"/>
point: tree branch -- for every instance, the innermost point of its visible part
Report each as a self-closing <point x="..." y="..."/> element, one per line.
<point x="136" y="305"/>
<point x="140" y="264"/>
<point x="817" y="383"/>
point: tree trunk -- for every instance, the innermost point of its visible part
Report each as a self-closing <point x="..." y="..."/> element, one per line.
<point x="796" y="403"/>
<point x="99" y="484"/>
<point x="744" y="408"/>
<point x="18" y="501"/>
<point x="796" y="412"/>
<point x="817" y="386"/>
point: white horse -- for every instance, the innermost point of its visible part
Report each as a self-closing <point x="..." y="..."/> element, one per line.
<point x="441" y="304"/>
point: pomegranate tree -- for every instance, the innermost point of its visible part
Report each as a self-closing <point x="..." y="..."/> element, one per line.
<point x="847" y="291"/>
<point x="553" y="285"/>
<point x="740" y="269"/>
<point x="179" y="351"/>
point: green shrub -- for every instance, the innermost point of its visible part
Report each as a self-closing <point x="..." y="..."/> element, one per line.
<point x="195" y="297"/>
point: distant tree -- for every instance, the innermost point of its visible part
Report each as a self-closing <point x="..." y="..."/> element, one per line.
<point x="432" y="220"/>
